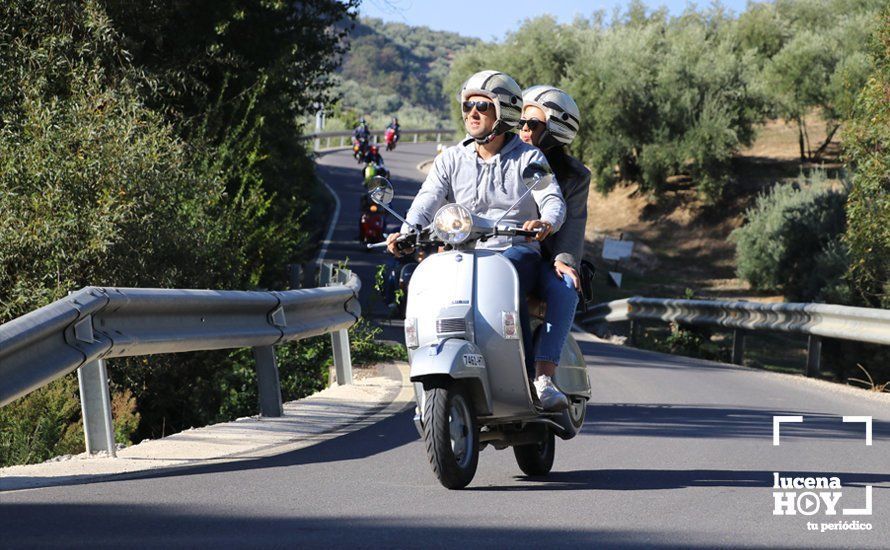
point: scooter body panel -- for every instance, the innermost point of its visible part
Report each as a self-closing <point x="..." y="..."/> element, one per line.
<point x="458" y="359"/>
<point x="465" y="295"/>
<point x="497" y="292"/>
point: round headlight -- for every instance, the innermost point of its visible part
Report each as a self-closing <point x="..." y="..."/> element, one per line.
<point x="453" y="223"/>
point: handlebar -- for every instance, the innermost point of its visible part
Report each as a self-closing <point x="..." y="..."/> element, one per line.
<point x="517" y="232"/>
<point x="410" y="240"/>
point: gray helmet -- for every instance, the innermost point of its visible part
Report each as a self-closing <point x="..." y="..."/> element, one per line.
<point x="563" y="116"/>
<point x="503" y="91"/>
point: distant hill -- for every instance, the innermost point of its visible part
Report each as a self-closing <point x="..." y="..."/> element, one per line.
<point x="393" y="68"/>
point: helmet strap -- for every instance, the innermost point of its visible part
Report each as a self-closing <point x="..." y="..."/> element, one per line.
<point x="499" y="128"/>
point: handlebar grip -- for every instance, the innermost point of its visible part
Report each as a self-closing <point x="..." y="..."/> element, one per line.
<point x="403" y="245"/>
<point x="524" y="233"/>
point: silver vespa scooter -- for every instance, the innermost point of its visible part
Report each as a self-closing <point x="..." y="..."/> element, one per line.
<point x="464" y="340"/>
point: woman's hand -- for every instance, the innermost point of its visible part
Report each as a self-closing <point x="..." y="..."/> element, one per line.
<point x="563" y="269"/>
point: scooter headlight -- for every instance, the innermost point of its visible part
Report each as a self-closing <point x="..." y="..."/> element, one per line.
<point x="453" y="223"/>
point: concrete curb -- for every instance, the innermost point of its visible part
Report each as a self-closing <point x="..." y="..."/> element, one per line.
<point x="424" y="166"/>
<point x="325" y="415"/>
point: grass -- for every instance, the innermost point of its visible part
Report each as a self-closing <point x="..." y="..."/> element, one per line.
<point x="774" y="352"/>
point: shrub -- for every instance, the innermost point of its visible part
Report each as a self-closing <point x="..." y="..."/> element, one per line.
<point x="866" y="143"/>
<point x="790" y="242"/>
<point x="42" y="425"/>
<point x="302" y="366"/>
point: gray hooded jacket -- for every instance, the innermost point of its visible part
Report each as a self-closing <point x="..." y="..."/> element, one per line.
<point x="488" y="189"/>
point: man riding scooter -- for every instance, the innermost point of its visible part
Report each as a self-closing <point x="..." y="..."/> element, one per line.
<point x="482" y="173"/>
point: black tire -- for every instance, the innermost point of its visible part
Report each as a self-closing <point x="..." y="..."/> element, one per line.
<point x="453" y="460"/>
<point x="577" y="412"/>
<point x="537" y="459"/>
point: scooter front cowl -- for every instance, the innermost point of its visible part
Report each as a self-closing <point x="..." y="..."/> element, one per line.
<point x="454" y="359"/>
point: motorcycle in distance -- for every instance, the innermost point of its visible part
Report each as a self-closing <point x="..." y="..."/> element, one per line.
<point x="464" y="340"/>
<point x="360" y="149"/>
<point x="371" y="224"/>
<point x="391" y="138"/>
<point x="372" y="220"/>
<point x="397" y="276"/>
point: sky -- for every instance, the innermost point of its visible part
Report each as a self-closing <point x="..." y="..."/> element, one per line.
<point x="492" y="19"/>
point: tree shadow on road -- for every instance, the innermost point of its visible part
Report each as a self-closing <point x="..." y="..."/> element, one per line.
<point x="87" y="525"/>
<point x="647" y="480"/>
<point x="714" y="421"/>
<point x="380" y="437"/>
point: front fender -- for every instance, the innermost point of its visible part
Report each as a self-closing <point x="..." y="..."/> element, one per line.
<point x="459" y="360"/>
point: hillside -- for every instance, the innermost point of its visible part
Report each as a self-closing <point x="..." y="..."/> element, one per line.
<point x="392" y="68"/>
<point x="680" y="244"/>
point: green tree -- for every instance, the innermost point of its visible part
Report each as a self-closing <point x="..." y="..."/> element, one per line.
<point x="816" y="65"/>
<point x="170" y="172"/>
<point x="867" y="149"/>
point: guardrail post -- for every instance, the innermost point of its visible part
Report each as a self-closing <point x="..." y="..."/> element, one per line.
<point x="339" y="338"/>
<point x="341" y="141"/>
<point x="317" y="144"/>
<point x="814" y="356"/>
<point x="438" y="137"/>
<point x="267" y="380"/>
<point x="95" y="405"/>
<point x="738" y="347"/>
<point x="633" y="329"/>
<point x="342" y="356"/>
<point x="328" y="142"/>
<point x="415" y="138"/>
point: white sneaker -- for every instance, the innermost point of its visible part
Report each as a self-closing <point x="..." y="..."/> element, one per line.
<point x="551" y="398"/>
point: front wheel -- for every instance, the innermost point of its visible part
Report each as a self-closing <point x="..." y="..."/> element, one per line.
<point x="451" y="435"/>
<point x="536" y="459"/>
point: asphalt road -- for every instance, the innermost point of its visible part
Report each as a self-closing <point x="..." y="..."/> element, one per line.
<point x="344" y="176"/>
<point x="676" y="452"/>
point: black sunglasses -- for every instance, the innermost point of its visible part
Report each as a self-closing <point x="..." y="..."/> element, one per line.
<point x="532" y="123"/>
<point x="480" y="106"/>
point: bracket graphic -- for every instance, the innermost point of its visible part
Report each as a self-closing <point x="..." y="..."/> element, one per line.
<point x="778" y="421"/>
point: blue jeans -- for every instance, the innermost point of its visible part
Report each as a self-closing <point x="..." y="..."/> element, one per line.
<point x="527" y="262"/>
<point x="562" y="299"/>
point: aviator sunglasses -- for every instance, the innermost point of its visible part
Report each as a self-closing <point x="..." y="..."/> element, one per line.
<point x="532" y="123"/>
<point x="480" y="106"/>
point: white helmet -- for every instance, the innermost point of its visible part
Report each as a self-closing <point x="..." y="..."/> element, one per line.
<point x="563" y="116"/>
<point x="503" y="91"/>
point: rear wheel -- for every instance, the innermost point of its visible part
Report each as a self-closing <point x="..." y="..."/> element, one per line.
<point x="577" y="412"/>
<point x="451" y="435"/>
<point x="537" y="459"/>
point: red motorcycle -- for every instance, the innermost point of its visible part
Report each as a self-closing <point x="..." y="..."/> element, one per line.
<point x="392" y="137"/>
<point x="371" y="224"/>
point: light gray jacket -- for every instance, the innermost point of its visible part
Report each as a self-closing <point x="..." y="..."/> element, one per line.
<point x="488" y="189"/>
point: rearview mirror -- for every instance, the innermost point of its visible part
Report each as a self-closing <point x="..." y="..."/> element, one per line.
<point x="380" y="190"/>
<point x="537" y="176"/>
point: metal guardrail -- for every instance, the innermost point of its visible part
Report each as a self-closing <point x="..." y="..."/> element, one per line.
<point x="94" y="324"/>
<point x="814" y="320"/>
<point x="345" y="136"/>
